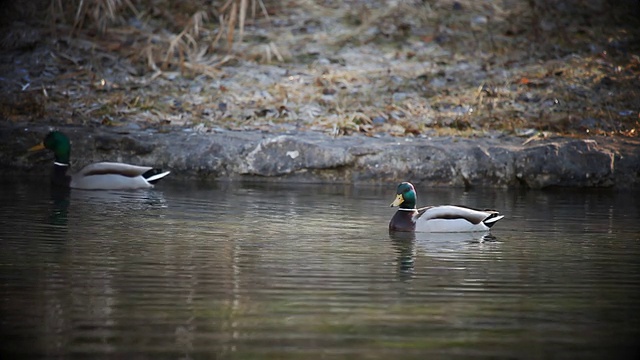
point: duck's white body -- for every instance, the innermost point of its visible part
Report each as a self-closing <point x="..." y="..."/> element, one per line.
<point x="113" y="176"/>
<point x="451" y="218"/>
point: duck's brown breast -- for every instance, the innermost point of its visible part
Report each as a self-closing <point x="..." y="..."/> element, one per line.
<point x="402" y="221"/>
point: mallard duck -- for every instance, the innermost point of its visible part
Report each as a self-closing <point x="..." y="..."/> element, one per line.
<point x="442" y="218"/>
<point x="98" y="176"/>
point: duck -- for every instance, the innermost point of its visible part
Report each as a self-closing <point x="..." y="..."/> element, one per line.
<point x="96" y="176"/>
<point x="440" y="218"/>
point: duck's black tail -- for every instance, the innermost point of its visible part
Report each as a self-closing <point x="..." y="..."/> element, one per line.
<point x="492" y="219"/>
<point x="154" y="175"/>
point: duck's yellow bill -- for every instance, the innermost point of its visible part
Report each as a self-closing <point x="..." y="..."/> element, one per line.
<point x="399" y="200"/>
<point x="37" y="147"/>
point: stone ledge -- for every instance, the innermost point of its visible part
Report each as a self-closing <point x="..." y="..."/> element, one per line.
<point x="503" y="161"/>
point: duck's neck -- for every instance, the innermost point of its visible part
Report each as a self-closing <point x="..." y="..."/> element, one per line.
<point x="62" y="154"/>
<point x="408" y="205"/>
<point x="409" y="202"/>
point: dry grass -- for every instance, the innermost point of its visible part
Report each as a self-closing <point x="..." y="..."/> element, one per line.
<point x="195" y="36"/>
<point x="451" y="67"/>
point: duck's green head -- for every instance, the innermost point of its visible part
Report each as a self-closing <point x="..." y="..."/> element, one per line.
<point x="406" y="196"/>
<point x="58" y="143"/>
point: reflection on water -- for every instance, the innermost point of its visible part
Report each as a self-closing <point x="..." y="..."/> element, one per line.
<point x="286" y="271"/>
<point x="104" y="201"/>
<point x="441" y="246"/>
<point x="59" y="206"/>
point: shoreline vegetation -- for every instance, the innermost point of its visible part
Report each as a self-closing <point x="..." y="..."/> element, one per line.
<point x="531" y="72"/>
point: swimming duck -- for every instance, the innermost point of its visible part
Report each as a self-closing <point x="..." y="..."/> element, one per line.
<point x="97" y="176"/>
<point x="442" y="218"/>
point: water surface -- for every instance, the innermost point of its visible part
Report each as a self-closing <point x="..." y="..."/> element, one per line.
<point x="303" y="271"/>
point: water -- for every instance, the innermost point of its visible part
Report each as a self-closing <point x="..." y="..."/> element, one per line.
<point x="188" y="271"/>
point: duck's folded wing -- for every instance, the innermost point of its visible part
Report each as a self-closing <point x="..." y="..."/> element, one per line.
<point x="113" y="168"/>
<point x="450" y="212"/>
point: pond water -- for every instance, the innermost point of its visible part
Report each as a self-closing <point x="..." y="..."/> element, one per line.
<point x="276" y="271"/>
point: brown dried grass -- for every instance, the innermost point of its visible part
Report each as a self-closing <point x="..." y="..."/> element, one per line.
<point x="169" y="34"/>
<point x="512" y="66"/>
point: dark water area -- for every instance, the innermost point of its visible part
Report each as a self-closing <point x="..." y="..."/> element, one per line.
<point x="277" y="271"/>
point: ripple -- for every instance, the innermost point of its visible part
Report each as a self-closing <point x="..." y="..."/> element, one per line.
<point x="310" y="271"/>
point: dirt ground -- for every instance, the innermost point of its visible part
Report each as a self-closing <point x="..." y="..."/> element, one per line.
<point x="376" y="67"/>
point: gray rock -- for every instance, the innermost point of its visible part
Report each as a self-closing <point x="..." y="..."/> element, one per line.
<point x="501" y="161"/>
<point x="579" y="163"/>
<point x="283" y="154"/>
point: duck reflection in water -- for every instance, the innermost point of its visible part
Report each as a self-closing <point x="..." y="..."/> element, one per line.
<point x="434" y="245"/>
<point x="60" y="200"/>
<point x="100" y="203"/>
<point x="405" y="248"/>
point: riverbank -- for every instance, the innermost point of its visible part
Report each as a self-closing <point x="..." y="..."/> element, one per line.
<point x="491" y="161"/>
<point x="463" y="93"/>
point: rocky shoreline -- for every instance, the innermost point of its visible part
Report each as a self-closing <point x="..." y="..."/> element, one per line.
<point x="356" y="92"/>
<point x="492" y="161"/>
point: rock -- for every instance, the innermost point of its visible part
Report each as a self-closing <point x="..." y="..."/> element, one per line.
<point x="281" y="155"/>
<point x="627" y="165"/>
<point x="503" y="161"/>
<point x="486" y="167"/>
<point x="417" y="163"/>
<point x="580" y="163"/>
